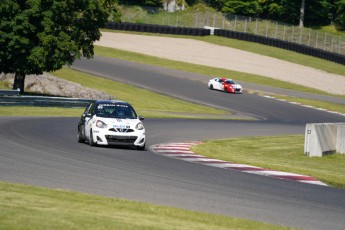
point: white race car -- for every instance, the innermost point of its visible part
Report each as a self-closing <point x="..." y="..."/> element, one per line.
<point x="224" y="84"/>
<point x="111" y="122"/>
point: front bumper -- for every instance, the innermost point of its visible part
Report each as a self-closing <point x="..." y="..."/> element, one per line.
<point x="108" y="137"/>
<point x="235" y="90"/>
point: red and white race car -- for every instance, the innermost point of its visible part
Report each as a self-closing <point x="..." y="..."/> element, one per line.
<point x="224" y="84"/>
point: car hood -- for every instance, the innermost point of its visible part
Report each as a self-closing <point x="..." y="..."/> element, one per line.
<point x="237" y="86"/>
<point x="119" y="122"/>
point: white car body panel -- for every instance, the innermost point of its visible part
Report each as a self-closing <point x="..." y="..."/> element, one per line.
<point x="216" y="84"/>
<point x="122" y="127"/>
<point x="111" y="122"/>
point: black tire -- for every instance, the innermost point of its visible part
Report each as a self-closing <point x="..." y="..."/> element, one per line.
<point x="91" y="142"/>
<point x="141" y="148"/>
<point x="226" y="90"/>
<point x="211" y="87"/>
<point x="80" y="138"/>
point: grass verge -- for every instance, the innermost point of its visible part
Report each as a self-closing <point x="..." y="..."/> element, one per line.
<point x="281" y="54"/>
<point x="144" y="101"/>
<point x="265" y="50"/>
<point x="283" y="153"/>
<point x="23" y="207"/>
<point x="200" y="69"/>
<point x="33" y="111"/>
<point x="315" y="103"/>
<point x="3" y="85"/>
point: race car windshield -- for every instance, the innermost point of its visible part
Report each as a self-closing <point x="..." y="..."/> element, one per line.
<point x="116" y="111"/>
<point x="230" y="82"/>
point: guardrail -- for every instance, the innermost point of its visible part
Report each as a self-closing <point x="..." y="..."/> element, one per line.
<point x="44" y="101"/>
<point x="4" y="92"/>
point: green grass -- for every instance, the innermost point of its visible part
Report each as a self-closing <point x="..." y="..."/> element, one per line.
<point x="317" y="104"/>
<point x="211" y="71"/>
<point x="200" y="15"/>
<point x="3" y="85"/>
<point x="144" y="101"/>
<point x="27" y="207"/>
<point x="284" y="153"/>
<point x="281" y="54"/>
<point x="253" y="47"/>
<point x="40" y="111"/>
<point x="22" y="206"/>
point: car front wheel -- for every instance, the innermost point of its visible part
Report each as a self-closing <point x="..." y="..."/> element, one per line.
<point x="211" y="87"/>
<point x="140" y="147"/>
<point x="80" y="137"/>
<point x="91" y="142"/>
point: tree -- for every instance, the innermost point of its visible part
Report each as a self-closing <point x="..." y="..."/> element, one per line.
<point x="301" y="18"/>
<point x="303" y="12"/>
<point x="113" y="9"/>
<point x="270" y="9"/>
<point x="318" y="12"/>
<point x="43" y="35"/>
<point x="340" y="15"/>
<point x="243" y="7"/>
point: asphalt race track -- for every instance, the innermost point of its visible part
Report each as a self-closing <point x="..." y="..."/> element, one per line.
<point x="45" y="152"/>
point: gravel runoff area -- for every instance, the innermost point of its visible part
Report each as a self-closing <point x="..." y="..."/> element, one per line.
<point x="203" y="53"/>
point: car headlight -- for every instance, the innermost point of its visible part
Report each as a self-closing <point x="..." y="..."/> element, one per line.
<point x="139" y="126"/>
<point x="101" y="124"/>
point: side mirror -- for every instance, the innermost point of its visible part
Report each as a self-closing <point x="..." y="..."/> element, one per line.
<point x="141" y="118"/>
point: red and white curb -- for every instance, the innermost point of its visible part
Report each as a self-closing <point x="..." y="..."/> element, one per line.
<point x="183" y="151"/>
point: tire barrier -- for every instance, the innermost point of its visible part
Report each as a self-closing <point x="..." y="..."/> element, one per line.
<point x="158" y="29"/>
<point x="334" y="57"/>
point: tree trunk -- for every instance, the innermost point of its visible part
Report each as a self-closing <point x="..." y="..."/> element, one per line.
<point x="19" y="81"/>
<point x="301" y="18"/>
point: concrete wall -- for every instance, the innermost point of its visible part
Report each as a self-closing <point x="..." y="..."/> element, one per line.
<point x="324" y="138"/>
<point x="340" y="139"/>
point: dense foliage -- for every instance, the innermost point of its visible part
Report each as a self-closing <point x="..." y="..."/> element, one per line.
<point x="316" y="12"/>
<point x="44" y="35"/>
<point x="340" y="19"/>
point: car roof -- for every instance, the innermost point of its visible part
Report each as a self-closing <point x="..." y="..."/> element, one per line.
<point x="109" y="101"/>
<point x="224" y="79"/>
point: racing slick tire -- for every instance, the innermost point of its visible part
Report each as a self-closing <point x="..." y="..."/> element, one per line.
<point x="211" y="87"/>
<point x="80" y="139"/>
<point x="141" y="148"/>
<point x="91" y="142"/>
